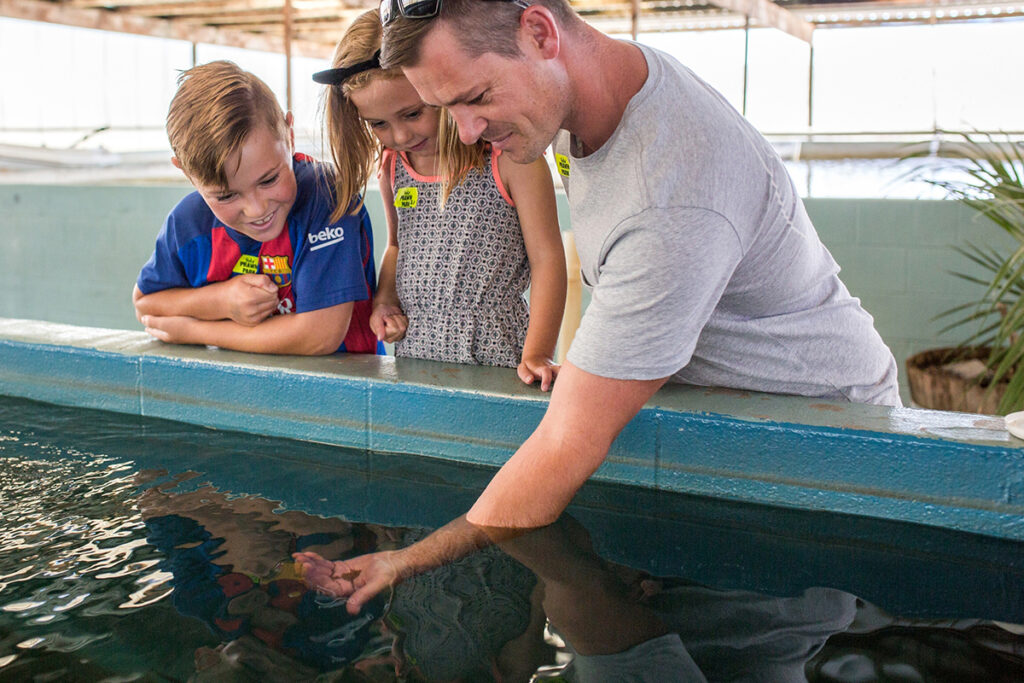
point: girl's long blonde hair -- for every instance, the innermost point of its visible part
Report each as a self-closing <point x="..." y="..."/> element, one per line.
<point x="355" y="150"/>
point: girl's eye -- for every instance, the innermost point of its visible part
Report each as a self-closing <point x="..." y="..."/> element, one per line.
<point x="377" y="125"/>
<point x="271" y="180"/>
<point x="413" y="115"/>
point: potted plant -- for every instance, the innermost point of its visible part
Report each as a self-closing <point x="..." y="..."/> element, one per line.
<point x="983" y="373"/>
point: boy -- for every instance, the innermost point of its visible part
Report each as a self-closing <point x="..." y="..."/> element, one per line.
<point x="251" y="261"/>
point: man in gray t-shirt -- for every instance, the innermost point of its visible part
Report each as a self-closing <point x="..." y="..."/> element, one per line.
<point x="704" y="266"/>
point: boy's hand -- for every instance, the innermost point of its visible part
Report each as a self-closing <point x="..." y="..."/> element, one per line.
<point x="250" y="298"/>
<point x="173" y="329"/>
<point x="388" y="322"/>
<point x="538" y="367"/>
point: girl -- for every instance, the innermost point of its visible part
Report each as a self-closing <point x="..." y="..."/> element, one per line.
<point x="468" y="230"/>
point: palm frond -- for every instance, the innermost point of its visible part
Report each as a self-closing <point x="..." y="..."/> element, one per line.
<point x="991" y="182"/>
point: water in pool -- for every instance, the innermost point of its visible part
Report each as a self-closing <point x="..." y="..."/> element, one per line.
<point x="134" y="549"/>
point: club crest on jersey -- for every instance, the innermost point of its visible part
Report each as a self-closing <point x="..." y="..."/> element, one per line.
<point x="277" y="269"/>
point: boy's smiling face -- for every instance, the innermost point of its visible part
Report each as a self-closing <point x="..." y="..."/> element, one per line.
<point x="261" y="186"/>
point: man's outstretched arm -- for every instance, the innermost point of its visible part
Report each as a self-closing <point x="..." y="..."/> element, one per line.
<point x="585" y="415"/>
<point x="531" y="490"/>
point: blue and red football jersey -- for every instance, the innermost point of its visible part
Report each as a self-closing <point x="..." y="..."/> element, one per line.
<point x="315" y="263"/>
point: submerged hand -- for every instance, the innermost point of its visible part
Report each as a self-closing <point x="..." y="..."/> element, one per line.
<point x="538" y="367"/>
<point x="358" y="579"/>
<point x="173" y="329"/>
<point x="388" y="322"/>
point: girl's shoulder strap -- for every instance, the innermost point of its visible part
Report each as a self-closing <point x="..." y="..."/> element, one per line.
<point x="496" y="174"/>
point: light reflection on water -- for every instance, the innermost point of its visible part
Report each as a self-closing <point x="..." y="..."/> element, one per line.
<point x="73" y="555"/>
<point x="121" y="560"/>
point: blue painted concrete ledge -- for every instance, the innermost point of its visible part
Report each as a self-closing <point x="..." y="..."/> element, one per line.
<point x="951" y="470"/>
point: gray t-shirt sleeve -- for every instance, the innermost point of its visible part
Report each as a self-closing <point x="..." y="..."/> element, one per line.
<point x="657" y="281"/>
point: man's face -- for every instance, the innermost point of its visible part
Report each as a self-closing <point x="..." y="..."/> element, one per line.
<point x="514" y="103"/>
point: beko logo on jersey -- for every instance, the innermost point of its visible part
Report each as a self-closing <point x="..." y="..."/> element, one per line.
<point x="326" y="237"/>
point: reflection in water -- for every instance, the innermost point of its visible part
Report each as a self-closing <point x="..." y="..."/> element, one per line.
<point x="119" y="561"/>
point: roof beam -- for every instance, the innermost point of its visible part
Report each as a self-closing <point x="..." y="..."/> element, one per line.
<point x="166" y="7"/>
<point x="199" y="10"/>
<point x="764" y="13"/>
<point x="770" y="15"/>
<point x="105" y="20"/>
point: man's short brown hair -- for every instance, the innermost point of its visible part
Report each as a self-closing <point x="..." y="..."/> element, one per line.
<point x="483" y="26"/>
<point x="215" y="108"/>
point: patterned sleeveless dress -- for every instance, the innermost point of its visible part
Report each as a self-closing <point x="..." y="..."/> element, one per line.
<point x="462" y="272"/>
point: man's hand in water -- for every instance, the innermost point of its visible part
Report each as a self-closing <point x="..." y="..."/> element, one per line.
<point x="361" y="578"/>
<point x="358" y="579"/>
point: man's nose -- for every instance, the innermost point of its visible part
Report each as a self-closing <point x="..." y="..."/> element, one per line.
<point x="470" y="126"/>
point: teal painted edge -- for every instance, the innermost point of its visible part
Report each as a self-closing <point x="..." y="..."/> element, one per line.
<point x="941" y="469"/>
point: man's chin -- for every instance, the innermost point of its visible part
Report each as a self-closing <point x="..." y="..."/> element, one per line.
<point x="520" y="155"/>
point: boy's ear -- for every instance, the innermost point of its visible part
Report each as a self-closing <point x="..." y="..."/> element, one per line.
<point x="177" y="163"/>
<point x="290" y="120"/>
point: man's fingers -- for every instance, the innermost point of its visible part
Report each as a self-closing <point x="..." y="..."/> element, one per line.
<point x="361" y="596"/>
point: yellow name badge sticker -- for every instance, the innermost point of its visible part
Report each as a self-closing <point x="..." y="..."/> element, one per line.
<point x="247" y="264"/>
<point x="406" y="197"/>
<point x="562" y="162"/>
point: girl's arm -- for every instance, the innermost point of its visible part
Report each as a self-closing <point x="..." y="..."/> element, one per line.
<point x="387" y="320"/>
<point x="533" y="192"/>
<point x="313" y="333"/>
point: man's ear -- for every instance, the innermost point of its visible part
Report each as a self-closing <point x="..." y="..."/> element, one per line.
<point x="540" y="29"/>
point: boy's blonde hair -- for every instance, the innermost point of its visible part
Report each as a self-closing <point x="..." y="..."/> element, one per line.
<point x="354" y="148"/>
<point x="215" y="108"/>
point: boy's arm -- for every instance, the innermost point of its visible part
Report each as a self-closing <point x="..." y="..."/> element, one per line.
<point x="313" y="333"/>
<point x="246" y="299"/>
<point x="533" y="192"/>
<point x="388" y="321"/>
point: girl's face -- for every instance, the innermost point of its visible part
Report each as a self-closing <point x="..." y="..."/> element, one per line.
<point x="397" y="116"/>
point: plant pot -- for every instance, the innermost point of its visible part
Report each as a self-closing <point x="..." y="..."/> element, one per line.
<point x="947" y="379"/>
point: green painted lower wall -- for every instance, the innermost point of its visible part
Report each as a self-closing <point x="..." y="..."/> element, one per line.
<point x="71" y="254"/>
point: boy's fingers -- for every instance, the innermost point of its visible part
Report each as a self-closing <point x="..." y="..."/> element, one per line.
<point x="260" y="281"/>
<point x="157" y="334"/>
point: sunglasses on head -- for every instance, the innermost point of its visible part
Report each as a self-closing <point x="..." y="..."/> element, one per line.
<point x="419" y="9"/>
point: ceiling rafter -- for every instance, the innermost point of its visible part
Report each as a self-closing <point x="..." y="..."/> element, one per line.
<point x="316" y="25"/>
<point x="106" y="20"/>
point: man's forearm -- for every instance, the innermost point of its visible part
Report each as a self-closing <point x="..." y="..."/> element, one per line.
<point x="584" y="416"/>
